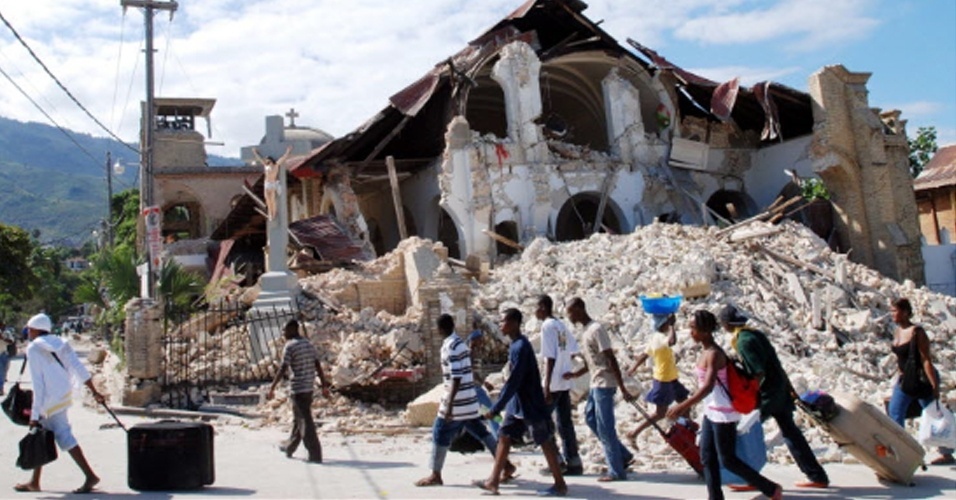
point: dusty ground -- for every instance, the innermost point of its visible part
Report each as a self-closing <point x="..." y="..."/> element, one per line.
<point x="380" y="466"/>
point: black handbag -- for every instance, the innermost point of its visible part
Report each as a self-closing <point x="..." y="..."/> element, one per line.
<point x="37" y="449"/>
<point x="465" y="443"/>
<point x="18" y="403"/>
<point x="914" y="382"/>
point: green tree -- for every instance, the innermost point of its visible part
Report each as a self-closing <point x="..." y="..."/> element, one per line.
<point x="922" y="148"/>
<point x="125" y="207"/>
<point x="178" y="288"/>
<point x="52" y="289"/>
<point x="109" y="284"/>
<point x="16" y="275"/>
<point x="16" y="248"/>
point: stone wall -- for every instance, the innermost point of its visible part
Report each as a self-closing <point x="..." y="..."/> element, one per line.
<point x="862" y="158"/>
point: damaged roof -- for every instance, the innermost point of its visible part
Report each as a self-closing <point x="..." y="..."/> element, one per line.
<point x="553" y="28"/>
<point x="940" y="171"/>
<point x="329" y="240"/>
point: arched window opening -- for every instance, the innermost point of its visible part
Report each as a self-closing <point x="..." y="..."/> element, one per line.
<point x="577" y="217"/>
<point x="508" y="229"/>
<point x="448" y="234"/>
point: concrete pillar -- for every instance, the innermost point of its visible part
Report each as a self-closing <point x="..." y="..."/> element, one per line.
<point x="518" y="72"/>
<point x="622" y="105"/>
<point x="450" y="294"/>
<point x="466" y="189"/>
<point x="144" y="338"/>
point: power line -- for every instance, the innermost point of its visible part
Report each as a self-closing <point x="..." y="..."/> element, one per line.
<point x="119" y="59"/>
<point x="26" y="78"/>
<point x="60" y="84"/>
<point x="48" y="117"/>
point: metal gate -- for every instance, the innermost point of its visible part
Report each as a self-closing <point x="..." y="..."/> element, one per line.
<point x="218" y="349"/>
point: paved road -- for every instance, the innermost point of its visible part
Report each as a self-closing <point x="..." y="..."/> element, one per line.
<point x="248" y="464"/>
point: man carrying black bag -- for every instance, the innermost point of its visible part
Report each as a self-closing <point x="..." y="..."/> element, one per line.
<point x="53" y="367"/>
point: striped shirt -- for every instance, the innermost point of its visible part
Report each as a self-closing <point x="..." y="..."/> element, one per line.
<point x="456" y="363"/>
<point x="300" y="355"/>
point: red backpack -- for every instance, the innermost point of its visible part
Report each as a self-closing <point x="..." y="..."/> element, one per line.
<point x="742" y="389"/>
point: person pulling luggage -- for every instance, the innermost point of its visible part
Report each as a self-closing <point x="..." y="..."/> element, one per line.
<point x="53" y="367"/>
<point x="776" y="393"/>
<point x="718" y="435"/>
<point x="666" y="388"/>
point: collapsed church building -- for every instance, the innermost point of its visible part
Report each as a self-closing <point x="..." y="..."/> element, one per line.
<point x="541" y="132"/>
<point x="547" y="126"/>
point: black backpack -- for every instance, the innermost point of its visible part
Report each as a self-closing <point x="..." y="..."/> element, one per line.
<point x="820" y="404"/>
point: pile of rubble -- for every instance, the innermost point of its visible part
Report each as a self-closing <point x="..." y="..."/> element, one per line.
<point x="779" y="275"/>
<point x="828" y="317"/>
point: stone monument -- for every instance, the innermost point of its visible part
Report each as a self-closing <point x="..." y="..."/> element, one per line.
<point x="278" y="285"/>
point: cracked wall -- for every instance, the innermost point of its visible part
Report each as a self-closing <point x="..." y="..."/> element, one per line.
<point x="864" y="163"/>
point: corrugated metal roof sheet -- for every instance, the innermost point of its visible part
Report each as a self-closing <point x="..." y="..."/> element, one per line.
<point x="939" y="172"/>
<point x="325" y="235"/>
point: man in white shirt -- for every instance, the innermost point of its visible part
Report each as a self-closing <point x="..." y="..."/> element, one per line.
<point x="557" y="347"/>
<point x="53" y="368"/>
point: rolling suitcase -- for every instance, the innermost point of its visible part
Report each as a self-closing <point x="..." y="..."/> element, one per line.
<point x="170" y="455"/>
<point x="751" y="447"/>
<point x="873" y="438"/>
<point x="682" y="437"/>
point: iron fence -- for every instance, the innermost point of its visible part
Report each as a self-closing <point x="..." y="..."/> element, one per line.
<point x="218" y="349"/>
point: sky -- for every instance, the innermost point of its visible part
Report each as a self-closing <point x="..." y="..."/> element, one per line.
<point x="337" y="61"/>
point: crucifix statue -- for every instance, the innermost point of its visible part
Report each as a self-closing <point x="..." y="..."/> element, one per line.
<point x="279" y="287"/>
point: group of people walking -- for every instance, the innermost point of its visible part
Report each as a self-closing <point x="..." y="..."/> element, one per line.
<point x="540" y="405"/>
<point x="539" y="401"/>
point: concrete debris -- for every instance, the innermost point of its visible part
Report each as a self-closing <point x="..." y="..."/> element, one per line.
<point x="366" y="321"/>
<point x="765" y="276"/>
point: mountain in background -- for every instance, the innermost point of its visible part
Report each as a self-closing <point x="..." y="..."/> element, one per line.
<point x="48" y="183"/>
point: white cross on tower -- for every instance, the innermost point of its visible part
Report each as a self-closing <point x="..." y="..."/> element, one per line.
<point x="292" y="116"/>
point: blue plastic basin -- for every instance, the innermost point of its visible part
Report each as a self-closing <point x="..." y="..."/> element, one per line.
<point x="661" y="305"/>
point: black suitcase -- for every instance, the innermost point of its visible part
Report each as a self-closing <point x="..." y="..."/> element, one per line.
<point x="170" y="455"/>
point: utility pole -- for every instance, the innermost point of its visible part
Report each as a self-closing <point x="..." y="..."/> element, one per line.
<point x="109" y="200"/>
<point x="146" y="149"/>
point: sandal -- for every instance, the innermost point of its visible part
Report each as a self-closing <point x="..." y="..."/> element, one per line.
<point x="510" y="473"/>
<point x="429" y="481"/>
<point x="552" y="492"/>
<point x="480" y="483"/>
<point x="25" y="487"/>
<point x="87" y="487"/>
<point x="944" y="460"/>
<point x="741" y="487"/>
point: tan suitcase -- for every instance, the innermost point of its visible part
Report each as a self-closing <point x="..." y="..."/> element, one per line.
<point x="874" y="439"/>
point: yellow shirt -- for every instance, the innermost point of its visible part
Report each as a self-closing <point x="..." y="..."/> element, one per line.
<point x="665" y="367"/>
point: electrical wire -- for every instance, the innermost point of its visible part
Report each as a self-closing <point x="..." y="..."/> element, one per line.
<point x="162" y="72"/>
<point x="47" y="115"/>
<point x="60" y="84"/>
<point x="193" y="87"/>
<point x="129" y="89"/>
<point x="119" y="59"/>
<point x="29" y="82"/>
<point x="86" y="229"/>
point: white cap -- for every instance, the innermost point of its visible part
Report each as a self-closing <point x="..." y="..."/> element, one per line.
<point x="40" y="322"/>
